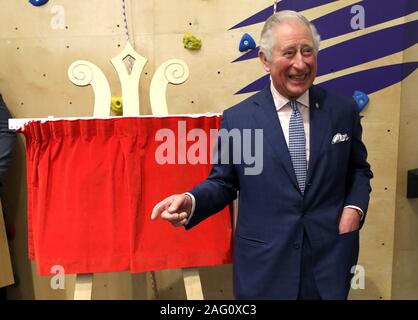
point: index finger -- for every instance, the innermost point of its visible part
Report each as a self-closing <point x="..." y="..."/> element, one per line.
<point x="160" y="207"/>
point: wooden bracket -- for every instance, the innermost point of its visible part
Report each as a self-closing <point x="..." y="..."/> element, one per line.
<point x="83" y="286"/>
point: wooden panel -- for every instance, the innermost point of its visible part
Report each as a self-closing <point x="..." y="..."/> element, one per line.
<point x="6" y="272"/>
<point x="405" y="265"/>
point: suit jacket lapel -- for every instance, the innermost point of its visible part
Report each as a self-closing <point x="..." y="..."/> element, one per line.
<point x="319" y="126"/>
<point x="267" y="119"/>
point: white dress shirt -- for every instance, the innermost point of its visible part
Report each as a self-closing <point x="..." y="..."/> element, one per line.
<point x="284" y="112"/>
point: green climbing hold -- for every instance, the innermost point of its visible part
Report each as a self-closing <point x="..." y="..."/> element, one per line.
<point x="191" y="42"/>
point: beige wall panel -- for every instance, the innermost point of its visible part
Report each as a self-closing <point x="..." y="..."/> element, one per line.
<point x="122" y="285"/>
<point x="203" y="16"/>
<point x="93" y="17"/>
<point x="6" y="271"/>
<point x="44" y="88"/>
<point x="212" y="80"/>
<point x="169" y="284"/>
<point x="405" y="265"/>
<point x="217" y="282"/>
<point x="380" y="132"/>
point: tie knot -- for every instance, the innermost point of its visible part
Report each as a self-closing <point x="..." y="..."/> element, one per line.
<point x="293" y="105"/>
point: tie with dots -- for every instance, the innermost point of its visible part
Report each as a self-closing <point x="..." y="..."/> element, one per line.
<point x="297" y="145"/>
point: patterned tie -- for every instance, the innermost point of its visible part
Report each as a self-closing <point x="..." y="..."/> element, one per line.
<point x="297" y="145"/>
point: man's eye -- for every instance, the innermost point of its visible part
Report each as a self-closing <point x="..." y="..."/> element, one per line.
<point x="307" y="51"/>
<point x="289" y="53"/>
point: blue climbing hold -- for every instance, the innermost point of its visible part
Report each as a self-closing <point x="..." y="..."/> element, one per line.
<point x="38" y="3"/>
<point x="247" y="43"/>
<point x="361" y="98"/>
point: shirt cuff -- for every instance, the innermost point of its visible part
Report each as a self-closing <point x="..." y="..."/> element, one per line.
<point x="193" y="205"/>
<point x="359" y="211"/>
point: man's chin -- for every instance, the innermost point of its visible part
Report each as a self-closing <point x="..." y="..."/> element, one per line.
<point x="297" y="92"/>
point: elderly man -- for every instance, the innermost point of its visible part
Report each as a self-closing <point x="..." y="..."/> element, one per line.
<point x="297" y="233"/>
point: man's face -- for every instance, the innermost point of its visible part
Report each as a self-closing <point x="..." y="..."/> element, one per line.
<point x="293" y="60"/>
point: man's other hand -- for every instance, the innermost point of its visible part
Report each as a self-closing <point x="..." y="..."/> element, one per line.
<point x="350" y="220"/>
<point x="175" y="209"/>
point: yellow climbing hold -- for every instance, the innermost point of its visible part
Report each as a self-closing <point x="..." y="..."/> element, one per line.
<point x="116" y="105"/>
<point x="191" y="42"/>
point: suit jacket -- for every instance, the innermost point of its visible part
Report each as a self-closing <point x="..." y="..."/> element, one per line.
<point x="272" y="212"/>
<point x="7" y="139"/>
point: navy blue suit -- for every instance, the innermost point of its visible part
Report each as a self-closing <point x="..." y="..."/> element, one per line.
<point x="273" y="214"/>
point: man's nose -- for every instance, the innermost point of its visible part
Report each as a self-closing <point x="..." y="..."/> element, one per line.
<point x="298" y="61"/>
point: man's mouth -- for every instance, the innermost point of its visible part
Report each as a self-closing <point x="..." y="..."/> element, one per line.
<point x="298" y="77"/>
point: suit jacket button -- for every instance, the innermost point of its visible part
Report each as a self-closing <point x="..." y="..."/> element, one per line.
<point x="297" y="246"/>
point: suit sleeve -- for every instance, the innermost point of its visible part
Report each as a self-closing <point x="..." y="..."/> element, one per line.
<point x="7" y="139"/>
<point x="220" y="188"/>
<point x="359" y="173"/>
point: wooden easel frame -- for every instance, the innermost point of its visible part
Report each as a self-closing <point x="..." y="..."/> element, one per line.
<point x="84" y="285"/>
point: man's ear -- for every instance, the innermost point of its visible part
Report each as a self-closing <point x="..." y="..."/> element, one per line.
<point x="264" y="61"/>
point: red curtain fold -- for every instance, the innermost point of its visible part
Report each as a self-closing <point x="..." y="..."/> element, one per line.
<point x="92" y="185"/>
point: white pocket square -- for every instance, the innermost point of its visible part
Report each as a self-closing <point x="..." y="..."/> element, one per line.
<point x="339" y="137"/>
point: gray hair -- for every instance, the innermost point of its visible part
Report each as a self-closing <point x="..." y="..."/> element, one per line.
<point x="267" y="39"/>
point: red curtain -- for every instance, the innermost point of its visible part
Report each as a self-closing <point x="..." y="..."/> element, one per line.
<point x="92" y="185"/>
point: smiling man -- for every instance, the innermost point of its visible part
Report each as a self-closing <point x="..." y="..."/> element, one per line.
<point x="297" y="233"/>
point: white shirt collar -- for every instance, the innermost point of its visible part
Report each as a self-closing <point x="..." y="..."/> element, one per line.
<point x="280" y="101"/>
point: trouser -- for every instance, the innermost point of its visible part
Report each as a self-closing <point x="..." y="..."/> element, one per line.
<point x="308" y="289"/>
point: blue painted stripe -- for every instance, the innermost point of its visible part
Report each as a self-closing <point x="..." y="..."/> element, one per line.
<point x="257" y="85"/>
<point x="356" y="51"/>
<point x="370" y="80"/>
<point x="296" y="5"/>
<point x="248" y="55"/>
<point x="367" y="48"/>
<point x="375" y="13"/>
